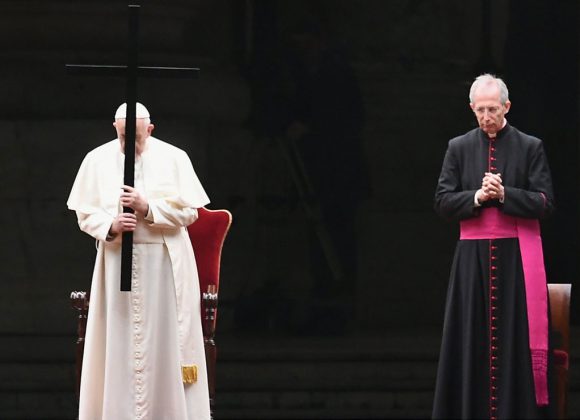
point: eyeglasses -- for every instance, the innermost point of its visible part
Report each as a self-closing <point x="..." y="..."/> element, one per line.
<point x="492" y="110"/>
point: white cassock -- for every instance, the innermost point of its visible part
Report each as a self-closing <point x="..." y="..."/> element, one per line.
<point x="139" y="344"/>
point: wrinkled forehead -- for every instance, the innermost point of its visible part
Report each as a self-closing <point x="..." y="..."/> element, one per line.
<point x="488" y="92"/>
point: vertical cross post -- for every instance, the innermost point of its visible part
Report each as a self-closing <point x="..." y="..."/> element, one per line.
<point x="129" y="171"/>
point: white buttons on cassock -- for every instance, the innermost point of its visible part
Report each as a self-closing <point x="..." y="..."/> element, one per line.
<point x="137" y="337"/>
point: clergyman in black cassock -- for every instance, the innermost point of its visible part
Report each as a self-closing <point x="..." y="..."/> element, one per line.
<point x="485" y="365"/>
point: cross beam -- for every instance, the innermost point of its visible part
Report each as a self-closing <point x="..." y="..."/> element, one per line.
<point x="142" y="71"/>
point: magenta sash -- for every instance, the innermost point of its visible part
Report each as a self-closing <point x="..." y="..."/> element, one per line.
<point x="493" y="224"/>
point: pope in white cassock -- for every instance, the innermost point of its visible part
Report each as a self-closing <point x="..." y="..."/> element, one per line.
<point x="144" y="356"/>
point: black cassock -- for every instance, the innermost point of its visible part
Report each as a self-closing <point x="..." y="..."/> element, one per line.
<point x="470" y="384"/>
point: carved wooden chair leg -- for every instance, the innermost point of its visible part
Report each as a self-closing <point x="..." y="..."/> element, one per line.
<point x="80" y="302"/>
<point x="209" y="302"/>
<point x="559" y="295"/>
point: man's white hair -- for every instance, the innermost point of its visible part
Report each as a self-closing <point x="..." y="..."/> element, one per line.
<point x="488" y="79"/>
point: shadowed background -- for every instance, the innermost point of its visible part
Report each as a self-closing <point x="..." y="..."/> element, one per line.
<point x="398" y="74"/>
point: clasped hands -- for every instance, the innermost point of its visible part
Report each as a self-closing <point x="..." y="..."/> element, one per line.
<point x="127" y="222"/>
<point x="491" y="188"/>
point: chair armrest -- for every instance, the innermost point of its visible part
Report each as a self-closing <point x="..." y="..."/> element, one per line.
<point x="209" y="304"/>
<point x="80" y="302"/>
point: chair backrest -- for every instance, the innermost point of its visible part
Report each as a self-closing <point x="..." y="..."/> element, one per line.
<point x="207" y="235"/>
<point x="560" y="313"/>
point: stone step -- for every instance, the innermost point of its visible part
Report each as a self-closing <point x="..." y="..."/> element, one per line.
<point x="321" y="375"/>
<point x="257" y="377"/>
<point x="36" y="376"/>
<point x="41" y="404"/>
<point x="279" y="378"/>
<point x="397" y="345"/>
<point x="253" y="376"/>
<point x="322" y="413"/>
<point x="37" y="348"/>
<point x="338" y="405"/>
<point x="303" y="400"/>
<point x="47" y="405"/>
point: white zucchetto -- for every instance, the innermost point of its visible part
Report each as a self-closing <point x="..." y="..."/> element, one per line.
<point x="141" y="111"/>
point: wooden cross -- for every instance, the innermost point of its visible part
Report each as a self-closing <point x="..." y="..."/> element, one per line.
<point x="131" y="71"/>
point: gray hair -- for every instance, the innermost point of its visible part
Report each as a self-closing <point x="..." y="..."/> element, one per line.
<point x="488" y="79"/>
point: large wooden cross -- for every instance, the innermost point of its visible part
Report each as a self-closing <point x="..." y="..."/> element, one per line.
<point x="131" y="71"/>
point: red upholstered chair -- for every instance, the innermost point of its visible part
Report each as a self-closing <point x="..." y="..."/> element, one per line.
<point x="207" y="237"/>
<point x="560" y="319"/>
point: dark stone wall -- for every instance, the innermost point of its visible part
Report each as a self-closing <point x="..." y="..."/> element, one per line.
<point x="413" y="60"/>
